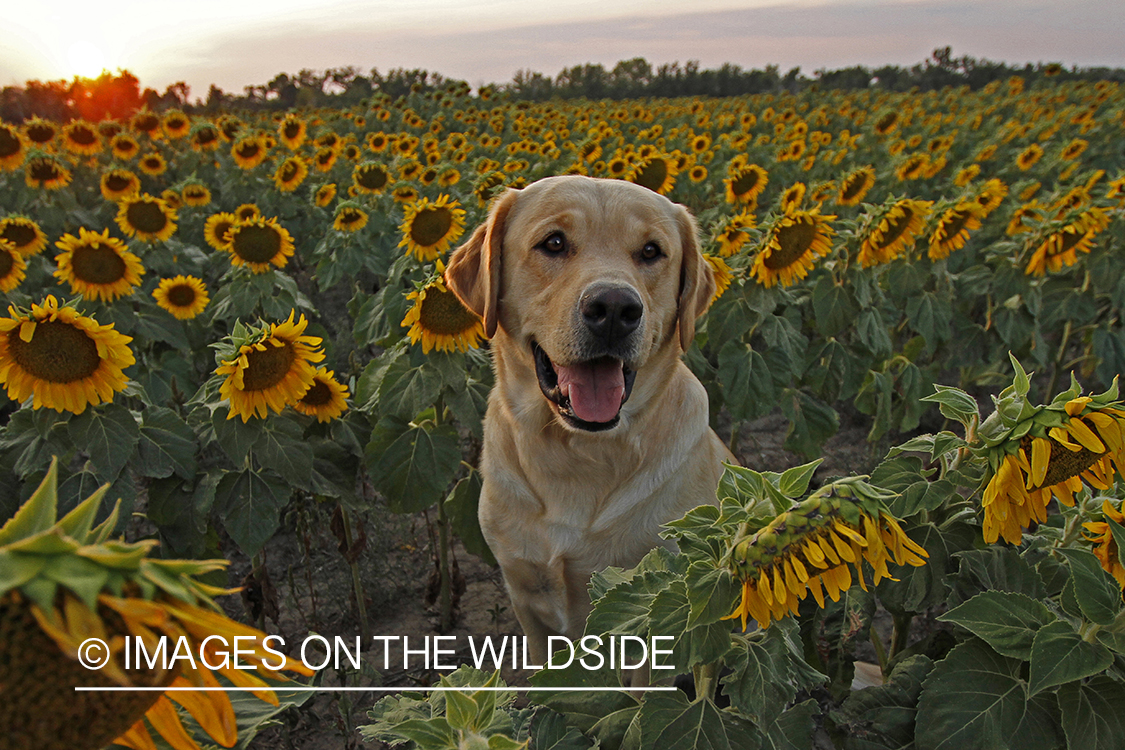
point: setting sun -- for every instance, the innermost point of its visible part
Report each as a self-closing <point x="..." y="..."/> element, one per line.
<point x="84" y="58"/>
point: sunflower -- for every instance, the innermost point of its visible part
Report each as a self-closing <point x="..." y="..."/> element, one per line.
<point x="745" y="184"/>
<point x="205" y="137"/>
<point x="12" y="148"/>
<point x="349" y="217"/>
<point x="24" y="233"/>
<point x="1106" y="549"/>
<point x="792" y="197"/>
<point x="47" y="172"/>
<point x="68" y="581"/>
<point x="97" y="266"/>
<point x="259" y="243"/>
<point x="271" y="370"/>
<point x="12" y="266"/>
<point x="1029" y="157"/>
<point x="153" y="164"/>
<point x="404" y="193"/>
<point x="439" y="320"/>
<point x="40" y="132"/>
<point x="196" y="194"/>
<point x="1061" y="247"/>
<point x="183" y="296"/>
<point x="146" y="218"/>
<point x="80" y="137"/>
<point x="148" y="123"/>
<point x="449" y="177"/>
<point x="697" y="173"/>
<point x="1073" y="441"/>
<point x="886" y="123"/>
<point x="64" y="359"/>
<point x="656" y="173"/>
<point x="722" y="274"/>
<point x="952" y="230"/>
<point x="734" y="233"/>
<point x="913" y="167"/>
<point x="326" y="399"/>
<point x="894" y="230"/>
<point x="429" y="227"/>
<point x="124" y="146"/>
<point x="290" y="174"/>
<point x="370" y="177"/>
<point x="292" y="131"/>
<point x="248" y="152"/>
<point x="991" y="195"/>
<point x="791" y="246"/>
<point x="247" y="211"/>
<point x="1032" y="211"/>
<point x="1074" y="149"/>
<point x="808" y="549"/>
<point x="966" y="175"/>
<point x="216" y="227"/>
<point x="855" y="186"/>
<point x="324" y="158"/>
<point x="378" y="142"/>
<point x="117" y="183"/>
<point x="172" y="199"/>
<point x="325" y="194"/>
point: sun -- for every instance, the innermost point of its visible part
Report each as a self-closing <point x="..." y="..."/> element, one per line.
<point x="85" y="59"/>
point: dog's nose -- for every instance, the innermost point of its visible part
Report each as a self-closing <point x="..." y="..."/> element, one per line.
<point x="611" y="312"/>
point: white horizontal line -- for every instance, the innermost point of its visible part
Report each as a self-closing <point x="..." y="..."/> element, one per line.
<point x="305" y="689"/>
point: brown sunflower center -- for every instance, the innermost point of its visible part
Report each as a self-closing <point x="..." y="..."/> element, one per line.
<point x="268" y="367"/>
<point x="318" y="395"/>
<point x="40" y="133"/>
<point x="289" y="170"/>
<point x="146" y="216"/>
<point x="652" y="175"/>
<point x="255" y="244"/>
<point x="248" y="150"/>
<point x="9" y="143"/>
<point x="97" y="264"/>
<point x="952" y="226"/>
<point x="181" y="295"/>
<point x="146" y="123"/>
<point x="291" y="130"/>
<point x="20" y="235"/>
<point x="83" y="136"/>
<point x="7" y="263"/>
<point x="372" y="178"/>
<point x="57" y="353"/>
<point x="1069" y="240"/>
<point x="853" y="186"/>
<point x="44" y="170"/>
<point x="118" y="182"/>
<point x="793" y="242"/>
<point x="350" y="216"/>
<point x="443" y="314"/>
<point x="896" y="227"/>
<point x="125" y="148"/>
<point x="1063" y="463"/>
<point x="745" y="182"/>
<point x="430" y="226"/>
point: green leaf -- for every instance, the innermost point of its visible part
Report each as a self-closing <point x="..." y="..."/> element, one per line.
<point x="668" y="616"/>
<point x="461" y="508"/>
<point x="811" y="422"/>
<point x="84" y="577"/>
<point x="1059" y="655"/>
<point x="1007" y="622"/>
<point x="829" y="372"/>
<point x="411" y="465"/>
<point x="758" y="684"/>
<point x="712" y="593"/>
<point x="926" y="586"/>
<point x="668" y="721"/>
<point x="433" y="734"/>
<point x="882" y="717"/>
<point x="461" y="710"/>
<point x="954" y="404"/>
<point x="109" y="434"/>
<point x="408" y="389"/>
<point x="167" y="445"/>
<point x="834" y="307"/>
<point x="873" y="334"/>
<point x="234" y="436"/>
<point x="795" y="482"/>
<point x="1096" y="591"/>
<point x="1091" y="714"/>
<point x="549" y="731"/>
<point x="249" y="503"/>
<point x="280" y="446"/>
<point x="38" y="513"/>
<point x="793" y="730"/>
<point x="1002" y="569"/>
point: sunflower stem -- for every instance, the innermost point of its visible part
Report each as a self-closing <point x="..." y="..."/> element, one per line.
<point x="901" y="633"/>
<point x="706" y="679"/>
<point x="880" y="650"/>
<point x="445" y="591"/>
<point x="735" y="428"/>
<point x="357" y="582"/>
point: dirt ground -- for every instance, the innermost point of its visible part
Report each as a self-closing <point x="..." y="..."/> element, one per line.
<point x="310" y="590"/>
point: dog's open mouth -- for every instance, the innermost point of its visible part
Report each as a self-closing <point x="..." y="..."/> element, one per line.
<point x="587" y="395"/>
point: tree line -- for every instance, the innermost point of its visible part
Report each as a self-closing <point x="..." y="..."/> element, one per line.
<point x="116" y="96"/>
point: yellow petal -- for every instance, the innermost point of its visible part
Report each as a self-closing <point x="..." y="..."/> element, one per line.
<point x="1040" y="454"/>
<point x="166" y="721"/>
<point x="1085" y="436"/>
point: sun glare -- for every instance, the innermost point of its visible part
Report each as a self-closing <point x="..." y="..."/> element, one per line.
<point x="85" y="59"/>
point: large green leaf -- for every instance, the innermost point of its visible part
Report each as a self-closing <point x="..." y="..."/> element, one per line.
<point x="1096" y="591"/>
<point x="882" y="717"/>
<point x="1007" y="622"/>
<point x="280" y="446"/>
<point x="109" y="434"/>
<point x="167" y="445"/>
<point x="668" y="721"/>
<point x="834" y="306"/>
<point x="412" y="465"/>
<point x="1059" y="655"/>
<point x="461" y="509"/>
<point x="1091" y="714"/>
<point x="249" y="503"/>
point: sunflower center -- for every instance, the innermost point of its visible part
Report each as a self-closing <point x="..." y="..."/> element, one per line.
<point x="288" y="171"/>
<point x="117" y="183"/>
<point x="205" y="136"/>
<point x="83" y="136"/>
<point x="652" y="175"/>
<point x="9" y="143"/>
<point x="1063" y="463"/>
<point x="292" y="130"/>
<point x="181" y="295"/>
<point x="430" y="226"/>
<point x="793" y="242"/>
<point x="97" y="264"/>
<point x="350" y="216"/>
<point x="745" y="182"/>
<point x="853" y="186"/>
<point x="1070" y="240"/>
<point x="268" y="367"/>
<point x="57" y="353"/>
<point x="18" y="234"/>
<point x="248" y="150"/>
<point x="896" y="227"/>
<point x="372" y="178"/>
<point x="44" y="171"/>
<point x="318" y="395"/>
<point x="443" y="314"/>
<point x="256" y="244"/>
<point x="146" y="217"/>
<point x="952" y="226"/>
<point x="6" y="263"/>
<point x="40" y="133"/>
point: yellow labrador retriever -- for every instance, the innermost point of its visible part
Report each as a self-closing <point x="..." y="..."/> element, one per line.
<point x="596" y="432"/>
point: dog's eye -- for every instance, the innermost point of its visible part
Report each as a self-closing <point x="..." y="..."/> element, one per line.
<point x="554" y="244"/>
<point x="651" y="251"/>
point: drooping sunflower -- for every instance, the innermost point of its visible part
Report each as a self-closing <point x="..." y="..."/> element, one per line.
<point x="270" y="370"/>
<point x="40" y="132"/>
<point x="172" y="198"/>
<point x="290" y="174"/>
<point x="1029" y="157"/>
<point x="1105" y="543"/>
<point x="216" y="227"/>
<point x="13" y="148"/>
<point x="370" y="177"/>
<point x="24" y="233"/>
<point x="792" y="198"/>
<point x="325" y="158"/>
<point x="952" y="230"/>
<point x="657" y="173"/>
<point x="153" y="164"/>
<point x="196" y="194"/>
<point x="745" y="184"/>
<point x="430" y="227"/>
<point x="247" y="211"/>
<point x="404" y="193"/>
<point x="97" y="266"/>
<point x="146" y="218"/>
<point x="12" y="267"/>
<point x="124" y="146"/>
<point x="1074" y="440"/>
<point x="734" y="233"/>
<point x="855" y="186"/>
<point x="248" y="152"/>
<point x="1062" y="246"/>
<point x="46" y="172"/>
<point x="148" y="123"/>
<point x="205" y="137"/>
<point x="65" y="360"/>
<point x="259" y="243"/>
<point x="439" y="320"/>
<point x="808" y="549"/>
<point x="913" y="167"/>
<point x="449" y="177"/>
<point x="1032" y="211"/>
<point x="349" y="217"/>
<point x="183" y="296"/>
<point x="80" y="137"/>
<point x="292" y="131"/>
<point x="791" y="246"/>
<point x="966" y="175"/>
<point x="1074" y="149"/>
<point x="68" y="581"/>
<point x="722" y="275"/>
<point x="117" y="183"/>
<point x="893" y="230"/>
<point x="991" y="195"/>
<point x="325" y="194"/>
<point x="326" y="399"/>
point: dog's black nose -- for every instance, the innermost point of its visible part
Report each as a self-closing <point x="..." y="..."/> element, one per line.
<point x="611" y="312"/>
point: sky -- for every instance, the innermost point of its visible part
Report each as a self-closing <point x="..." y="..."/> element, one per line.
<point x="236" y="43"/>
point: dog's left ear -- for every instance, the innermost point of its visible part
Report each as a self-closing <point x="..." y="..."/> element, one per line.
<point x="474" y="268"/>
<point x="697" y="279"/>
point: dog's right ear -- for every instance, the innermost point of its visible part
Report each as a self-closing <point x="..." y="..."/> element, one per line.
<point x="474" y="268"/>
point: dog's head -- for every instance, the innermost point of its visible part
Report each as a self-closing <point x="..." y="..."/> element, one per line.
<point x="589" y="279"/>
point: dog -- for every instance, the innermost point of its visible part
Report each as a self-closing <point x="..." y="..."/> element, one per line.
<point x="596" y="432"/>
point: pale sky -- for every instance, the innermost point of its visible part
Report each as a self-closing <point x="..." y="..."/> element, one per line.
<point x="235" y="43"/>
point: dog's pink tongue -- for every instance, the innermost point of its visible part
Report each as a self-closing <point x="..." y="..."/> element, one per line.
<point x="595" y="389"/>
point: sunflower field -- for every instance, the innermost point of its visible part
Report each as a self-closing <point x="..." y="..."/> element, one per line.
<point x="217" y="315"/>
